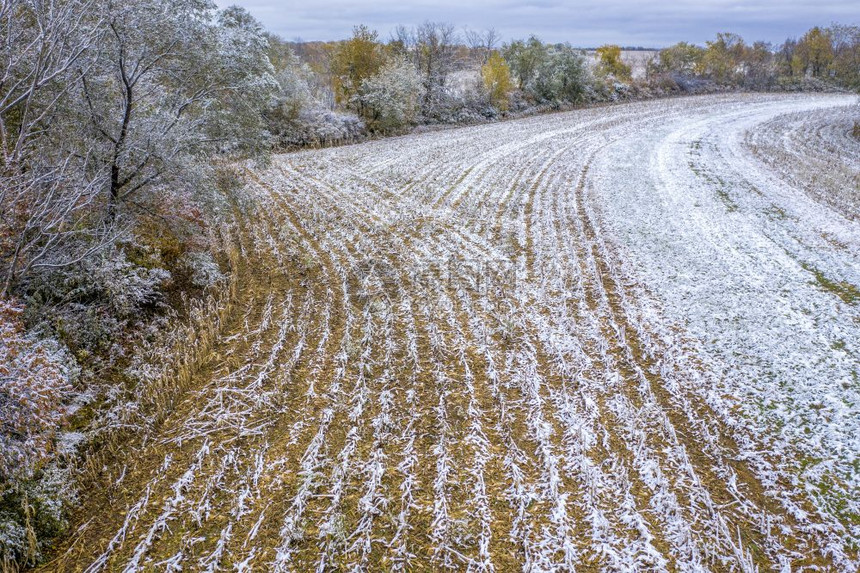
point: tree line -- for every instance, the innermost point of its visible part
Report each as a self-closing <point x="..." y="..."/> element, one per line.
<point x="829" y="55"/>
<point x="119" y="123"/>
<point x="434" y="73"/>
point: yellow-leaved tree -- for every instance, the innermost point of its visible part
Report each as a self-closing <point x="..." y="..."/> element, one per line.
<point x="353" y="61"/>
<point x="609" y="63"/>
<point x="497" y="80"/>
<point x="724" y="58"/>
<point x="814" y="53"/>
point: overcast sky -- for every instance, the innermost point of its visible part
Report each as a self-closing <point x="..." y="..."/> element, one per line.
<point x="581" y="22"/>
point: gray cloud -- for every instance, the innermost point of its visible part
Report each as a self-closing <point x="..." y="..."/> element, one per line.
<point x="582" y="23"/>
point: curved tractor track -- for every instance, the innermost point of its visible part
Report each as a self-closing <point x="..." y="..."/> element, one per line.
<point x="620" y="339"/>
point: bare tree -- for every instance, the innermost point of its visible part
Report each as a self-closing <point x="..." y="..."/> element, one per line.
<point x="402" y="42"/>
<point x="435" y="46"/>
<point x="846" y="49"/>
<point x="482" y="43"/>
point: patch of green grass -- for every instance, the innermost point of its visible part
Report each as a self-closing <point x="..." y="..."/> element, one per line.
<point x="716" y="181"/>
<point x="849" y="293"/>
<point x="837" y="501"/>
<point x="724" y="196"/>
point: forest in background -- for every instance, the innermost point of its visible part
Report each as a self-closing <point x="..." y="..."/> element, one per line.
<point x="121" y="128"/>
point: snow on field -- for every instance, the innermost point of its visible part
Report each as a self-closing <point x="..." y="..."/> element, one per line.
<point x="763" y="278"/>
<point x="815" y="151"/>
<point x="616" y="339"/>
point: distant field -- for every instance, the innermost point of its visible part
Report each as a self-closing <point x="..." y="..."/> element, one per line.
<point x="620" y="339"/>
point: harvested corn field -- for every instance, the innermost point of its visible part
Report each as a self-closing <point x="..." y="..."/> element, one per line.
<point x="617" y="339"/>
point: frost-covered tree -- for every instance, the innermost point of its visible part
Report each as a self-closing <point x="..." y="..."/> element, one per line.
<point x="783" y="58"/>
<point x="293" y="93"/>
<point x="525" y="59"/>
<point x="101" y="101"/>
<point x="297" y="117"/>
<point x="562" y="76"/>
<point x="547" y="73"/>
<point x="244" y="85"/>
<point x="682" y="58"/>
<point x="43" y="43"/>
<point x="168" y="85"/>
<point x="392" y="97"/>
<point x="44" y="204"/>
<point x="758" y="65"/>
<point x="432" y="48"/>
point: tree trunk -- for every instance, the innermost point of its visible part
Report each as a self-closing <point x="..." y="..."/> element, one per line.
<point x="115" y="183"/>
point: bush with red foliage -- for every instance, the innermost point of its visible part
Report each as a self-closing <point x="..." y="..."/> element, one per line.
<point x="34" y="377"/>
